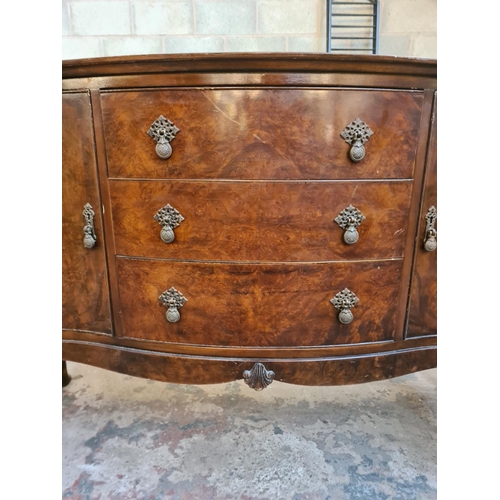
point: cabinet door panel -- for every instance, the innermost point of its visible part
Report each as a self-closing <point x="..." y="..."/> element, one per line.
<point x="85" y="289"/>
<point x="422" y="313"/>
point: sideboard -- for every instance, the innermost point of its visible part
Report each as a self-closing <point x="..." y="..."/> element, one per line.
<point x="265" y="217"/>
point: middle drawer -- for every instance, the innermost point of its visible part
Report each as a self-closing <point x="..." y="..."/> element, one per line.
<point x="261" y="221"/>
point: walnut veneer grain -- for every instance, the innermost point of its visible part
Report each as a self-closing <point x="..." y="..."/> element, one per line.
<point x="259" y="305"/>
<point x="250" y="221"/>
<point x="85" y="281"/>
<point x="422" y="312"/>
<point x="261" y="133"/>
<point x="259" y="171"/>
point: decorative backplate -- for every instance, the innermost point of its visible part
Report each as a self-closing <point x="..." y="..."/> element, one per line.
<point x="163" y="132"/>
<point x="168" y="216"/>
<point x="356" y="131"/>
<point x="162" y="128"/>
<point x="349" y="219"/>
<point x="89" y="238"/>
<point x="343" y="301"/>
<point x="173" y="300"/>
<point x="356" y="134"/>
<point x="431" y="217"/>
<point x="350" y="216"/>
<point x="430" y="243"/>
<point x="258" y="377"/>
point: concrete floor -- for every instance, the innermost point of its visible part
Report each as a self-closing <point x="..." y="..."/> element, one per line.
<point x="128" y="438"/>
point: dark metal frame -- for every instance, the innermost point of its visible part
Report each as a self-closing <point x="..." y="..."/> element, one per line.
<point x="374" y="25"/>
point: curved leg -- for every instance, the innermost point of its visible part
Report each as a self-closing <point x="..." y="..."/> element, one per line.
<point x="65" y="377"/>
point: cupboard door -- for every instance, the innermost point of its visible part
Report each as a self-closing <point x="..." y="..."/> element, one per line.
<point x="85" y="290"/>
<point x="422" y="313"/>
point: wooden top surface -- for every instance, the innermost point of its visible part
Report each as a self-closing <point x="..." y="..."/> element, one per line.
<point x="249" y="62"/>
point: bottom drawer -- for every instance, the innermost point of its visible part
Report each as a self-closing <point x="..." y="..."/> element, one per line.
<point x="259" y="304"/>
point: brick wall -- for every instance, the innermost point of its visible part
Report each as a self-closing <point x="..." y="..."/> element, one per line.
<point x="93" y="28"/>
<point x="408" y="28"/>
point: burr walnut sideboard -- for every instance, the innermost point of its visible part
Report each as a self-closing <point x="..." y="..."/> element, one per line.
<point x="250" y="216"/>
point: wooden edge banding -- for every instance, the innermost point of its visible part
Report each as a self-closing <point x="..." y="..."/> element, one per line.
<point x="203" y="370"/>
<point x="106" y="211"/>
<point x="412" y="226"/>
<point x="231" y="62"/>
<point x="278" y="352"/>
<point x="231" y="80"/>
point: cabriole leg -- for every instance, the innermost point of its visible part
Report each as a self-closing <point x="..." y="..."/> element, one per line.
<point x="65" y="377"/>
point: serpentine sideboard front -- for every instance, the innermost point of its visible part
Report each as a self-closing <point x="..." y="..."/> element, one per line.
<point x="250" y="216"/>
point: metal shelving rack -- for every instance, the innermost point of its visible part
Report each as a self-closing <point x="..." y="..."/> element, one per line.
<point x="351" y="10"/>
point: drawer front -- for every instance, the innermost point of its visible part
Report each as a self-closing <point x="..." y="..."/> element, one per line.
<point x="85" y="296"/>
<point x="258" y="305"/>
<point x="280" y="221"/>
<point x="261" y="133"/>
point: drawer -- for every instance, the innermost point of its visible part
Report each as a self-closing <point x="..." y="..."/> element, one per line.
<point x="258" y="305"/>
<point x="261" y="133"/>
<point x="260" y="221"/>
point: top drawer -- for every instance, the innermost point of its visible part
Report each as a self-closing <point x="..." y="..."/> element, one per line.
<point x="261" y="133"/>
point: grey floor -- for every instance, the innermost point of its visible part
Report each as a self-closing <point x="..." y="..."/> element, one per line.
<point x="128" y="438"/>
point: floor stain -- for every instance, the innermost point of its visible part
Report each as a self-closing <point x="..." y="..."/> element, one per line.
<point x="128" y="438"/>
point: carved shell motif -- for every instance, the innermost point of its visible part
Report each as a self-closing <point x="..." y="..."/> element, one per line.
<point x="258" y="377"/>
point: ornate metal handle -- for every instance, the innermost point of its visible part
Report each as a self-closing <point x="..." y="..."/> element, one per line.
<point x="356" y="134"/>
<point x="89" y="239"/>
<point x="349" y="219"/>
<point x="173" y="301"/>
<point x="430" y="243"/>
<point x="163" y="132"/>
<point x="169" y="218"/>
<point x="258" y="377"/>
<point x="344" y="301"/>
